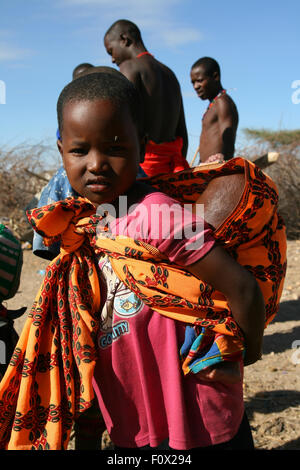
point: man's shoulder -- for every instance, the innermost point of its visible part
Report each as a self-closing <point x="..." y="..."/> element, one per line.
<point x="135" y="64"/>
<point x="130" y="65"/>
<point x="225" y="101"/>
<point x="226" y="105"/>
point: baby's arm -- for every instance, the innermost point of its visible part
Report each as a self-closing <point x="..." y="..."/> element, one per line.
<point x="243" y="294"/>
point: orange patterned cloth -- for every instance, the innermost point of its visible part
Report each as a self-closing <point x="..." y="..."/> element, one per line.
<point x="49" y="379"/>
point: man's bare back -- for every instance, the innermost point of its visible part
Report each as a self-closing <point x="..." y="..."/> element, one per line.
<point x="161" y="96"/>
<point x="220" y="121"/>
<point x="158" y="85"/>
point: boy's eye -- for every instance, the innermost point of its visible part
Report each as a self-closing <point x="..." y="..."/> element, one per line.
<point x="78" y="151"/>
<point x="115" y="149"/>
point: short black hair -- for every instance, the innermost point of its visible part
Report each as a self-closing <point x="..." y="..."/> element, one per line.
<point x="125" y="26"/>
<point x="210" y="66"/>
<point x="112" y="86"/>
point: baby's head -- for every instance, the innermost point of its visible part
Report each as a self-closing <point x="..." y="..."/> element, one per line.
<point x="100" y="124"/>
<point x="80" y="69"/>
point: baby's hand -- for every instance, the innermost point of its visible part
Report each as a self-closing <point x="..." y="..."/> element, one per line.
<point x="216" y="158"/>
<point x="224" y="372"/>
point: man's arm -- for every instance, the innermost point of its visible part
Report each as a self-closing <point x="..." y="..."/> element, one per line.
<point x="243" y="294"/>
<point x="228" y="121"/>
<point x="181" y="130"/>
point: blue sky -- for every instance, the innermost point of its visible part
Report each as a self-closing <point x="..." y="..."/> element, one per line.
<point x="256" y="43"/>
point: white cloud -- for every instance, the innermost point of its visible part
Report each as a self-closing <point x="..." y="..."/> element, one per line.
<point x="179" y="36"/>
<point x="154" y="18"/>
<point x="117" y="9"/>
<point x="10" y="53"/>
<point x="137" y="4"/>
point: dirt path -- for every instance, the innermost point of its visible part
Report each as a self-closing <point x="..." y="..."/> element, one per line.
<point x="272" y="385"/>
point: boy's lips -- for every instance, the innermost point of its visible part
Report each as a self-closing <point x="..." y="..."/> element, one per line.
<point x="98" y="185"/>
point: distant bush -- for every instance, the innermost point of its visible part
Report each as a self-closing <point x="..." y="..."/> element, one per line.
<point x="24" y="171"/>
<point x="277" y="139"/>
<point x="285" y="172"/>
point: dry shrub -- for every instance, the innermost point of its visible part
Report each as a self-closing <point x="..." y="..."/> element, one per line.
<point x="24" y="171"/>
<point x="286" y="174"/>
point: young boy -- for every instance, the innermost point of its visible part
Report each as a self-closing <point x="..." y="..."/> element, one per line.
<point x="59" y="187"/>
<point x="101" y="147"/>
<point x="136" y="369"/>
<point x="220" y="121"/>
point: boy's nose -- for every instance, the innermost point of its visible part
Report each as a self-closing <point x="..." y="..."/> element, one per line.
<point x="97" y="162"/>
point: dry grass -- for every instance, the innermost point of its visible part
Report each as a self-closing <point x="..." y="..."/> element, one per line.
<point x="285" y="172"/>
<point x="24" y="170"/>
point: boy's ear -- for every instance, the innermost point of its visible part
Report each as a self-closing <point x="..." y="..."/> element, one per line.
<point x="59" y="146"/>
<point x="216" y="76"/>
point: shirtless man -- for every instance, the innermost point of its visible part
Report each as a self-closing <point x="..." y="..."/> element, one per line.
<point x="164" y="117"/>
<point x="220" y="121"/>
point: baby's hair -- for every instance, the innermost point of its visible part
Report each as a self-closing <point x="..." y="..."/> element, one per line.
<point x="210" y="66"/>
<point x="125" y="26"/>
<point x="102" y="86"/>
<point x="81" y="68"/>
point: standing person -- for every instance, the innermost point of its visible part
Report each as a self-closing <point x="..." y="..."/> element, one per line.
<point x="11" y="261"/>
<point x="220" y="120"/>
<point x="113" y="309"/>
<point x="160" y="92"/>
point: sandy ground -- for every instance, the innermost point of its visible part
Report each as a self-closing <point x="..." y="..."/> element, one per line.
<point x="271" y="386"/>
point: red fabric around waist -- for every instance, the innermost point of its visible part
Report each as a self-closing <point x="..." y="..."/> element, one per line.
<point x="165" y="157"/>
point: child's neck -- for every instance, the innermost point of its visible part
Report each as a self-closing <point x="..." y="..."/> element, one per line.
<point x="122" y="204"/>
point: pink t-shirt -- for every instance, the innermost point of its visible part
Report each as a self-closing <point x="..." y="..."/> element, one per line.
<point x="142" y="392"/>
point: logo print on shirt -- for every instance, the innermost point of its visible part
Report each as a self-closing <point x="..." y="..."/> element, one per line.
<point x="118" y="330"/>
<point x="126" y="303"/>
<point x="120" y="302"/>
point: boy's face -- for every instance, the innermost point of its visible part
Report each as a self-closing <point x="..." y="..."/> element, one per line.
<point x="203" y="84"/>
<point x="100" y="148"/>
